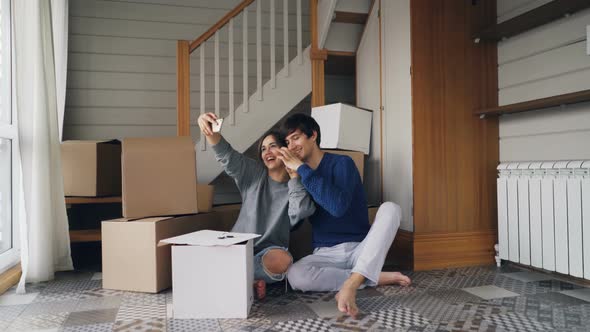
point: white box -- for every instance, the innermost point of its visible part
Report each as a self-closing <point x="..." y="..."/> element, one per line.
<point x="212" y="275"/>
<point x="344" y="127"/>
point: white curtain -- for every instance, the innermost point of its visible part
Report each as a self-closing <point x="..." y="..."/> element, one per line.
<point x="40" y="36"/>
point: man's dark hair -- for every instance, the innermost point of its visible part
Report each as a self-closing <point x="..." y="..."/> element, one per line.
<point x="303" y="122"/>
<point x="279" y="137"/>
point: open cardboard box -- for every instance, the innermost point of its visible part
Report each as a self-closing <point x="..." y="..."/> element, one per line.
<point x="212" y="274"/>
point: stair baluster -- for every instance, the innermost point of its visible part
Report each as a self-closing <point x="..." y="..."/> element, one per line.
<point x="216" y="43"/>
<point x="246" y="98"/>
<point x="273" y="79"/>
<point x="214" y="32"/>
<point x="202" y="89"/>
<point x="259" y="49"/>
<point x="286" y="37"/>
<point x="232" y="118"/>
<point x="299" y="36"/>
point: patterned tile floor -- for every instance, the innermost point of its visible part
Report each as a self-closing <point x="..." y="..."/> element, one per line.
<point x="465" y="299"/>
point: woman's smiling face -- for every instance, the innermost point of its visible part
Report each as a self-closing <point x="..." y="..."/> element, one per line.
<point x="268" y="154"/>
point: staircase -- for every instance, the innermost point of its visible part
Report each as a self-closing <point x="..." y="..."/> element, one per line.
<point x="263" y="114"/>
<point x="279" y="84"/>
<point x="287" y="79"/>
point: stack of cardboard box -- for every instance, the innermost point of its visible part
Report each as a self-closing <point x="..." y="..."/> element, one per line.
<point x="161" y="199"/>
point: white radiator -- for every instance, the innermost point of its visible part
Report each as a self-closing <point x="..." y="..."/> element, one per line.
<point x="544" y="215"/>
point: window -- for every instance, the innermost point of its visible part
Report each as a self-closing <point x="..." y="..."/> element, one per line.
<point x="8" y="146"/>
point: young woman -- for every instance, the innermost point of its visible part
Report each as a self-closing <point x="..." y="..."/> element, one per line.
<point x="273" y="199"/>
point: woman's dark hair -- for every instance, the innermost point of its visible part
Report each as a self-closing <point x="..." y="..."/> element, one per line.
<point x="303" y="122"/>
<point x="278" y="137"/>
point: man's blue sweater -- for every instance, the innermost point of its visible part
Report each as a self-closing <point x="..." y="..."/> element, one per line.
<point x="341" y="203"/>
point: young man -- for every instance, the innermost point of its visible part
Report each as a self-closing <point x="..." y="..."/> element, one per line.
<point x="348" y="252"/>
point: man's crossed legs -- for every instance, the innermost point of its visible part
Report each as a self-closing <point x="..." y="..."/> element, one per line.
<point x="353" y="265"/>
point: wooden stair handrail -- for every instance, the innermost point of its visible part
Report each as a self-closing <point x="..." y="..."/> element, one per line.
<point x="220" y="24"/>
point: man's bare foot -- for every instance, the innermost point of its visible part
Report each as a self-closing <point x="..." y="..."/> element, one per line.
<point x="393" y="278"/>
<point x="346" y="299"/>
<point x="260" y="289"/>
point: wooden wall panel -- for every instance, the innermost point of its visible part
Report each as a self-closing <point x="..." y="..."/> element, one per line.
<point x="455" y="153"/>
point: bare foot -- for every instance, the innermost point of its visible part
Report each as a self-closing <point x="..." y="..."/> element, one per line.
<point x="393" y="278"/>
<point x="346" y="299"/>
<point x="260" y="289"/>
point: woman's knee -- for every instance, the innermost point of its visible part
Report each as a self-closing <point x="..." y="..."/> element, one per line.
<point x="277" y="261"/>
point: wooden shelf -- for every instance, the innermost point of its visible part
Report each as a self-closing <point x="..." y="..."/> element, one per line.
<point x="536" y="17"/>
<point x="93" y="200"/>
<point x="538" y="104"/>
<point x="85" y="235"/>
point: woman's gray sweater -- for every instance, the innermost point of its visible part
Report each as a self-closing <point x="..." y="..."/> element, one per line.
<point x="269" y="208"/>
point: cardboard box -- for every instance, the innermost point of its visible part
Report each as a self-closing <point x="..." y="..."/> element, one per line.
<point x="212" y="274"/>
<point x="204" y="197"/>
<point x="357" y="157"/>
<point x="91" y="168"/>
<point x="344" y="127"/>
<point x="131" y="259"/>
<point x="159" y="176"/>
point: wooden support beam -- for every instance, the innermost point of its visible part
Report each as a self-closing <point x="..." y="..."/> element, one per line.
<point x="183" y="90"/>
<point x="318" y="57"/>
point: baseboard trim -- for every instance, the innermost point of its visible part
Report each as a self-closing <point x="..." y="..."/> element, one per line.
<point x="10" y="278"/>
<point x="445" y="250"/>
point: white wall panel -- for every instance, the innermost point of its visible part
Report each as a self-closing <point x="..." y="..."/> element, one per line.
<point x="139" y="81"/>
<point x="367" y="96"/>
<point x="397" y="117"/>
<point x="560" y="61"/>
<point x="543" y="62"/>
<point x="153" y="47"/>
<point x="344" y="37"/>
<point x="158" y="12"/>
<point x="557" y="85"/>
<point x="353" y="6"/>
<point x="560" y="33"/>
<point x="558" y="146"/>
<point x="157" y="30"/>
<point x="508" y="9"/>
<point x="556" y="120"/>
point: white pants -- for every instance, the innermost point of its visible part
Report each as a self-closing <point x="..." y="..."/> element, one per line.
<point x="328" y="267"/>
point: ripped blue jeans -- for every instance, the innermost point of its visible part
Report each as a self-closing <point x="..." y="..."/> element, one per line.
<point x="260" y="272"/>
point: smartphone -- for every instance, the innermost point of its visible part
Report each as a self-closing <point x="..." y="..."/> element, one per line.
<point x="216" y="127"/>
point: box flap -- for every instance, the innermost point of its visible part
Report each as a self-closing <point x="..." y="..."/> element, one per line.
<point x="210" y="238"/>
<point x="112" y="141"/>
<point x="151" y="219"/>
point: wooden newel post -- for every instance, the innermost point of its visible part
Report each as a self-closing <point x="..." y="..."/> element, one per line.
<point x="318" y="57"/>
<point x="183" y="90"/>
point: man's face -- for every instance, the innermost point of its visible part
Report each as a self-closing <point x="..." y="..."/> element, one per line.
<point x="268" y="153"/>
<point x="301" y="145"/>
